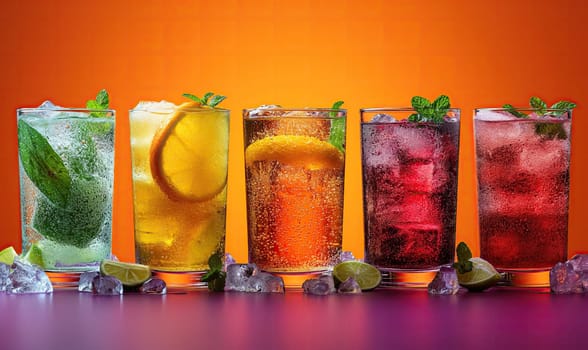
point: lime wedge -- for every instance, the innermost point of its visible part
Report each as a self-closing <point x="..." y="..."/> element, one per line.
<point x="7" y="255"/>
<point x="367" y="276"/>
<point x="35" y="256"/>
<point x="131" y="275"/>
<point x="482" y="276"/>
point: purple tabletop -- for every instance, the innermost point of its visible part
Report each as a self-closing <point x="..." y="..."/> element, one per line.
<point x="379" y="319"/>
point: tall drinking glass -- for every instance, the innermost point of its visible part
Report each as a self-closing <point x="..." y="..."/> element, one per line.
<point x="66" y="158"/>
<point x="523" y="185"/>
<point x="180" y="159"/>
<point x="295" y="166"/>
<point x="410" y="193"/>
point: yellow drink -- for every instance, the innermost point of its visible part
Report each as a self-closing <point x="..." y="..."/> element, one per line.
<point x="179" y="156"/>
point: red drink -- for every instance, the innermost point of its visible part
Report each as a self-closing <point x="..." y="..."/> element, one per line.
<point x="523" y="186"/>
<point x="410" y="191"/>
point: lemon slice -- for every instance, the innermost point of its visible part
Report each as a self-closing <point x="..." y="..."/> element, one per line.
<point x="296" y="150"/>
<point x="7" y="255"/>
<point x="189" y="154"/>
<point x="482" y="276"/>
<point x="130" y="275"/>
<point x="35" y="255"/>
<point x="367" y="276"/>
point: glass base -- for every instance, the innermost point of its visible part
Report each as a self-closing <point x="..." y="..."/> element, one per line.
<point x="394" y="278"/>
<point x="64" y="279"/>
<point x="537" y="279"/>
<point x="181" y="280"/>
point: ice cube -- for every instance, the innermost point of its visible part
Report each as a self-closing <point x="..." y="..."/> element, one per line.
<point x="4" y="272"/>
<point x="85" y="281"/>
<point x="445" y="282"/>
<point x="494" y="115"/>
<point x="580" y="263"/>
<point x="264" y="282"/>
<point x="349" y="286"/>
<point x="548" y="157"/>
<point x="383" y="118"/>
<point x="323" y="285"/>
<point x="106" y="285"/>
<point x="415" y="143"/>
<point x="154" y="286"/>
<point x="346" y="256"/>
<point x="264" y="110"/>
<point x="564" y="280"/>
<point x="238" y="276"/>
<point x="229" y="260"/>
<point x="417" y="244"/>
<point x="48" y="105"/>
<point x="155" y="107"/>
<point x="418" y="176"/>
<point x="27" y="278"/>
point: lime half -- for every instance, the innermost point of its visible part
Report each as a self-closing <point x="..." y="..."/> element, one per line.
<point x="7" y="255"/>
<point x="35" y="256"/>
<point x="482" y="276"/>
<point x="131" y="275"/>
<point x="367" y="276"/>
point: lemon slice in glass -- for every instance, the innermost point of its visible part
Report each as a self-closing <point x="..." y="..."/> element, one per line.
<point x="296" y="150"/>
<point x="189" y="154"/>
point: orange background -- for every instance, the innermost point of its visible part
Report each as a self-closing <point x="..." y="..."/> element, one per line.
<point x="294" y="53"/>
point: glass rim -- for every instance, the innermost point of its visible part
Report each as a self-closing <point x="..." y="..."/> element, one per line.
<point x="64" y="109"/>
<point x="522" y="109"/>
<point x="176" y="108"/>
<point x="397" y="109"/>
<point x="281" y="110"/>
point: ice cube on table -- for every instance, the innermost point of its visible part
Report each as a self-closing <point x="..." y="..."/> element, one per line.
<point x="26" y="278"/>
<point x="564" y="280"/>
<point x="85" y="281"/>
<point x="580" y="262"/>
<point x="346" y="256"/>
<point x="264" y="282"/>
<point x="229" y="260"/>
<point x="4" y="272"/>
<point x="154" y="286"/>
<point x="323" y="285"/>
<point x="445" y="282"/>
<point x="383" y="118"/>
<point x="106" y="285"/>
<point x="238" y="276"/>
<point x="349" y="286"/>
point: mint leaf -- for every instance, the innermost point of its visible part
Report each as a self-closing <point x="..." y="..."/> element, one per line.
<point x="193" y="98"/>
<point x="562" y="105"/>
<point x="215" y="100"/>
<point x="510" y="109"/>
<point x="420" y="103"/>
<point x="337" y="132"/>
<point x="427" y="111"/>
<point x="210" y="275"/>
<point x="215" y="262"/>
<point x="415" y="117"/>
<point x="207" y="96"/>
<point x="43" y="165"/>
<point x="215" y="276"/>
<point x="218" y="283"/>
<point x="440" y="106"/>
<point x="538" y="104"/>
<point x="101" y="102"/>
<point x="464" y="255"/>
<point x="551" y="131"/>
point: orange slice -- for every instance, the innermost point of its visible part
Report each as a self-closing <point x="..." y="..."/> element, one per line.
<point x="296" y="150"/>
<point x="189" y="154"/>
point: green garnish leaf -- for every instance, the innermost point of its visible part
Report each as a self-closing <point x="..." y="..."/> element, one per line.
<point x="562" y="105"/>
<point x="43" y="165"/>
<point x="464" y="254"/>
<point x="215" y="276"/>
<point x="101" y="102"/>
<point x="337" y="132"/>
<point x="551" y="131"/>
<point x="209" y="100"/>
<point x="215" y="100"/>
<point x="538" y="104"/>
<point x="427" y="111"/>
<point x="512" y="110"/>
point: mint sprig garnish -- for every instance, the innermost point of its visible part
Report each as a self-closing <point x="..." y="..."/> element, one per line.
<point x="337" y="132"/>
<point x="43" y="165"/>
<point x="208" y="100"/>
<point x="464" y="254"/>
<point x="101" y="102"/>
<point x="215" y="276"/>
<point x="429" y="112"/>
<point x="548" y="130"/>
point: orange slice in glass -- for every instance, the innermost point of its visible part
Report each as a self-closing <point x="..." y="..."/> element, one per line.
<point x="189" y="154"/>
